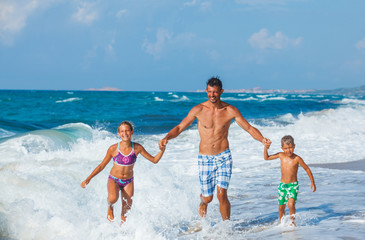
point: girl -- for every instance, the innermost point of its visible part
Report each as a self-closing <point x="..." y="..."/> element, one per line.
<point x="124" y="155"/>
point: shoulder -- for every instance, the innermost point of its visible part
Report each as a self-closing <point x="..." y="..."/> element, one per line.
<point x="232" y="110"/>
<point x="298" y="158"/>
<point x="137" y="147"/>
<point x="197" y="109"/>
<point x="113" y="148"/>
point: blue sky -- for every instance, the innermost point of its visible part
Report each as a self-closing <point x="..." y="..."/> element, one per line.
<point x="168" y="45"/>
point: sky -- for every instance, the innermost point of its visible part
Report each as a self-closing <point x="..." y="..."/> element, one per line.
<point x="177" y="45"/>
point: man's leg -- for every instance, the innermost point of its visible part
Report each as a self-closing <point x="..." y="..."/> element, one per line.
<point x="224" y="204"/>
<point x="204" y="205"/>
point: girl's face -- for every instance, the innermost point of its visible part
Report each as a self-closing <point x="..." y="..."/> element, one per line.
<point x="125" y="132"/>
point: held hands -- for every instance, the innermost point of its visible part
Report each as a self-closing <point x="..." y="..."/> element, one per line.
<point x="162" y="144"/>
<point x="162" y="148"/>
<point x="266" y="142"/>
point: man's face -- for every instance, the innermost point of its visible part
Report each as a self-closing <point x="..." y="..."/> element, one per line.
<point x="214" y="93"/>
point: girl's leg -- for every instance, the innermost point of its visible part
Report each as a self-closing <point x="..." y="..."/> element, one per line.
<point x="113" y="195"/>
<point x="127" y="195"/>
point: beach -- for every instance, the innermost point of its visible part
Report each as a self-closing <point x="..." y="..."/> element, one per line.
<point x="50" y="141"/>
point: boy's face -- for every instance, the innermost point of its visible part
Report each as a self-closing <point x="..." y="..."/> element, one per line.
<point x="288" y="149"/>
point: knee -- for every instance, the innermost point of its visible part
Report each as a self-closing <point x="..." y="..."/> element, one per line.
<point x="112" y="198"/>
<point x="281" y="208"/>
<point x="222" y="196"/>
<point x="291" y="204"/>
<point x="206" y="199"/>
<point x="127" y="200"/>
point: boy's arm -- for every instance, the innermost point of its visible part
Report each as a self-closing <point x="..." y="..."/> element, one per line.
<point x="309" y="172"/>
<point x="270" y="157"/>
<point x="145" y="154"/>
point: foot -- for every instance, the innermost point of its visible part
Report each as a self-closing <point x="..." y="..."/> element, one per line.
<point x="110" y="215"/>
<point x="292" y="224"/>
<point x="124" y="219"/>
<point x="202" y="209"/>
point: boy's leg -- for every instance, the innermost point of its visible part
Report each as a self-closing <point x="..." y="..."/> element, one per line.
<point x="281" y="211"/>
<point x="127" y="195"/>
<point x="291" y="206"/>
<point x="224" y="204"/>
<point x="113" y="195"/>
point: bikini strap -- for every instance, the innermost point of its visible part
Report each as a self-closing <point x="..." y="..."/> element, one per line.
<point x="133" y="146"/>
<point x="118" y="147"/>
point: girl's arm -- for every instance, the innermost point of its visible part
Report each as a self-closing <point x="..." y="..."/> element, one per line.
<point x="99" y="168"/>
<point x="155" y="159"/>
<point x="309" y="172"/>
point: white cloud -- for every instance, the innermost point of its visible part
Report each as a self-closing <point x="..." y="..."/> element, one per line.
<point x="205" y="6"/>
<point x="360" y="44"/>
<point x="155" y="49"/>
<point x="14" y="15"/>
<point x="261" y="2"/>
<point x="166" y="39"/>
<point x="86" y="13"/>
<point x="263" y="40"/>
<point x="190" y="4"/>
<point x="121" y="13"/>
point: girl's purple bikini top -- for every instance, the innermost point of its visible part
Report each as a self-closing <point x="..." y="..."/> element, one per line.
<point x="123" y="160"/>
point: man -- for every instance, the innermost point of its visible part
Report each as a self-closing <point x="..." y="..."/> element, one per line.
<point x="215" y="162"/>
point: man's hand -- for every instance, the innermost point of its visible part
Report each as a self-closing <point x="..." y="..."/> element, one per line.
<point x="266" y="141"/>
<point x="162" y="144"/>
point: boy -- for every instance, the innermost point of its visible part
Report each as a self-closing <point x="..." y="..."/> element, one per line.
<point x="288" y="188"/>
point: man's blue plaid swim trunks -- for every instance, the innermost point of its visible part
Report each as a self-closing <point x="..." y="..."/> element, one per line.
<point x="214" y="170"/>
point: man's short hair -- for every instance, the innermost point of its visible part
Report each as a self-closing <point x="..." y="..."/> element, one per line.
<point x="215" y="81"/>
<point x="287" y="140"/>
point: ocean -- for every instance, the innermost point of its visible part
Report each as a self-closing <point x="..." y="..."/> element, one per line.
<point x="50" y="141"/>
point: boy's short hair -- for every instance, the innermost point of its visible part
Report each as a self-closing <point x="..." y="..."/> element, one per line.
<point x="215" y="81"/>
<point x="287" y="140"/>
<point x="126" y="123"/>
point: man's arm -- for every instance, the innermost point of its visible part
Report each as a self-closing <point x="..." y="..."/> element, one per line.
<point x="242" y="122"/>
<point x="186" y="122"/>
<point x="309" y="172"/>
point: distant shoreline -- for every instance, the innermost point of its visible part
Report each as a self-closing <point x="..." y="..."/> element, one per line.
<point x="104" y="89"/>
<point x="265" y="91"/>
<point x="357" y="91"/>
<point x="354" y="165"/>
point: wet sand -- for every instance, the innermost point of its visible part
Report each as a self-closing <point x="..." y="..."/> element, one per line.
<point x="355" y="165"/>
